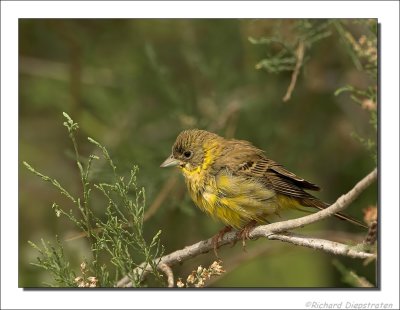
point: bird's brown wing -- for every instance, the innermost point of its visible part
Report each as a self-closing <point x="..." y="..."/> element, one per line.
<point x="276" y="176"/>
<point x="283" y="173"/>
<point x="243" y="158"/>
<point x="287" y="183"/>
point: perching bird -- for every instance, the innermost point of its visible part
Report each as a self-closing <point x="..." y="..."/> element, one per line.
<point x="235" y="182"/>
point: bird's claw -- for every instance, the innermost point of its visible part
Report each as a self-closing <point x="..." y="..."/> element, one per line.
<point x="244" y="233"/>
<point x="218" y="237"/>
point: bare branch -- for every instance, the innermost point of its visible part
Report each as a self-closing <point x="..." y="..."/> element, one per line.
<point x="321" y="244"/>
<point x="370" y="239"/>
<point x="168" y="272"/>
<point x="295" y="74"/>
<point x="271" y="231"/>
<point x="360" y="281"/>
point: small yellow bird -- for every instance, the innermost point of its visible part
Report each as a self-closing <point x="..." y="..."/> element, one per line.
<point x="235" y="182"/>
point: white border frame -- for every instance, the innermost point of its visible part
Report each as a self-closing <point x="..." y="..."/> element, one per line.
<point x="387" y="13"/>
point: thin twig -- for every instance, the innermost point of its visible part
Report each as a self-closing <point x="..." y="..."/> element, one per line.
<point x="162" y="195"/>
<point x="231" y="109"/>
<point x="350" y="277"/>
<point x="360" y="281"/>
<point x="295" y="74"/>
<point x="370" y="239"/>
<point x="168" y="272"/>
<point x="321" y="244"/>
<point x="272" y="231"/>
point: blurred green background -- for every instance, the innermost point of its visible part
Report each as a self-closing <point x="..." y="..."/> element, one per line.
<point x="133" y="85"/>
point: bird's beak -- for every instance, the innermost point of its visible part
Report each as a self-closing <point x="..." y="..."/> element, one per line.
<point x="170" y="162"/>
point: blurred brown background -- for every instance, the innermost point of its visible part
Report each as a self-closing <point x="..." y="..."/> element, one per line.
<point x="133" y="85"/>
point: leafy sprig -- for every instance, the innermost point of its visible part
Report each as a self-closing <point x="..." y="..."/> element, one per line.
<point x="116" y="237"/>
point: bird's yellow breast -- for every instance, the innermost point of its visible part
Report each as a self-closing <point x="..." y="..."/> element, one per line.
<point x="232" y="199"/>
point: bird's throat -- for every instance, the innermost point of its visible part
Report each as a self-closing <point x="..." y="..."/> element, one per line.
<point x="196" y="177"/>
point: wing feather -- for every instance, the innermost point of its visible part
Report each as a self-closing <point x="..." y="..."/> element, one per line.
<point x="276" y="176"/>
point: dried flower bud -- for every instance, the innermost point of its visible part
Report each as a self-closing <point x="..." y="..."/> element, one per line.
<point x="216" y="268"/>
<point x="362" y="40"/>
<point x="370" y="214"/>
<point x="190" y="279"/>
<point x="200" y="283"/>
<point x="205" y="274"/>
<point x="369" y="105"/>
<point x="83" y="267"/>
<point x="179" y="283"/>
<point x="92" y="279"/>
<point x="78" y="279"/>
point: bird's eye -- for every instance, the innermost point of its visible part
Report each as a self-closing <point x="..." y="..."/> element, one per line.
<point x="187" y="154"/>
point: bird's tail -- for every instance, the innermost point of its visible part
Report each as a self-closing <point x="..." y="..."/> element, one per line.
<point x="316" y="203"/>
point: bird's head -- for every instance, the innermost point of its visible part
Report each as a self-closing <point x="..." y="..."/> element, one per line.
<point x="190" y="149"/>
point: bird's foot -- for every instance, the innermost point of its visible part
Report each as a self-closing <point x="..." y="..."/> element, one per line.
<point x="218" y="237"/>
<point x="244" y="233"/>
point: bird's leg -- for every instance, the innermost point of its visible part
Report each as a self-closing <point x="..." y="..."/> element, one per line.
<point x="244" y="233"/>
<point x="219" y="237"/>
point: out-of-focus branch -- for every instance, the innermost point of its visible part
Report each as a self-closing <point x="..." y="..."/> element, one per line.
<point x="272" y="232"/>
<point x="162" y="195"/>
<point x="48" y="69"/>
<point x="295" y="74"/>
<point x="350" y="277"/>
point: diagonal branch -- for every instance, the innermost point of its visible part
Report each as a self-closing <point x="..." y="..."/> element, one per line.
<point x="296" y="71"/>
<point x="168" y="272"/>
<point x="321" y="244"/>
<point x="274" y="232"/>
